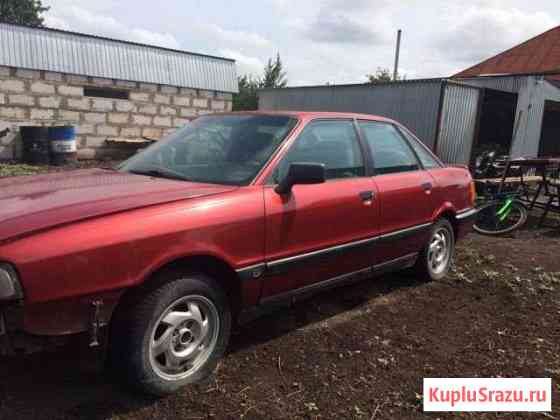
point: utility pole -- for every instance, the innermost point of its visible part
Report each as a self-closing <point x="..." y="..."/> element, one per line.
<point x="397" y="53"/>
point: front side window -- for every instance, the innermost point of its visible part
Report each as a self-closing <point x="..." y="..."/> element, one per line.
<point x="330" y="142"/>
<point x="391" y="153"/>
<point x="224" y="149"/>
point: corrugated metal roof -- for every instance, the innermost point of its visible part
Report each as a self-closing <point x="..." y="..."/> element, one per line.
<point x="366" y="84"/>
<point x="70" y="52"/>
<point x="538" y="55"/>
<point x="508" y="83"/>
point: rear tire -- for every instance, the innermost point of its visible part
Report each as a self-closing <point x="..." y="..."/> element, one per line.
<point x="435" y="259"/>
<point x="488" y="223"/>
<point x="170" y="334"/>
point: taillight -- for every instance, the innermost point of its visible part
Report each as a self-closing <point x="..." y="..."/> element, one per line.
<point x="472" y="194"/>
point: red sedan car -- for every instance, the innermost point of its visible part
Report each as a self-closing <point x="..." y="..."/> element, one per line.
<point x="227" y="216"/>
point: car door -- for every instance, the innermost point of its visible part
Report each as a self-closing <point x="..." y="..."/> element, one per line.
<point x="405" y="199"/>
<point x="320" y="231"/>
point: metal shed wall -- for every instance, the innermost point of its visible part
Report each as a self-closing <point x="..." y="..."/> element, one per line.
<point x="525" y="113"/>
<point x="458" y="123"/>
<point x="532" y="92"/>
<point x="413" y="103"/>
<point x="512" y="84"/>
<point x="540" y="92"/>
<point x="68" y="52"/>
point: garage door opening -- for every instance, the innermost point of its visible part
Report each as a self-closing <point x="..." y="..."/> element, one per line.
<point x="550" y="135"/>
<point x="496" y="124"/>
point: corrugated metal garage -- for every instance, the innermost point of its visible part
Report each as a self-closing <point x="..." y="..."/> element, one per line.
<point x="418" y="104"/>
<point x="458" y="122"/>
<point x="414" y="103"/>
<point x="533" y="91"/>
<point x="444" y="114"/>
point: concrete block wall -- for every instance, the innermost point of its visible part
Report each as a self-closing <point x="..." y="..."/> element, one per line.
<point x="30" y="97"/>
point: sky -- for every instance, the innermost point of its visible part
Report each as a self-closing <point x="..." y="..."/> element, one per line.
<point x="319" y="41"/>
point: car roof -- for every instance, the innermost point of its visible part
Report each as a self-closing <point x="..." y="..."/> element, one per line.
<point x="309" y="115"/>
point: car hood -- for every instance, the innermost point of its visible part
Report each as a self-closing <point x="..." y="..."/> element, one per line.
<point x="33" y="203"/>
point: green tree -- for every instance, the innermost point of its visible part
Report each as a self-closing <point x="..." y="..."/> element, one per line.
<point x="274" y="77"/>
<point x="383" y="75"/>
<point x="274" y="74"/>
<point x="247" y="98"/>
<point x="22" y="12"/>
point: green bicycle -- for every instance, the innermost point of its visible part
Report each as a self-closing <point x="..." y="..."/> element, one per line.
<point x="499" y="211"/>
<point x="500" y="214"/>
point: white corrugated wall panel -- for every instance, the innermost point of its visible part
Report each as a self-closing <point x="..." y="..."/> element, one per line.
<point x="66" y="52"/>
<point x="458" y="123"/>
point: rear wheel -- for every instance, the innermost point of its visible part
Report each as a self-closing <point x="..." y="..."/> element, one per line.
<point x="169" y="336"/>
<point x="435" y="259"/>
<point x="494" y="219"/>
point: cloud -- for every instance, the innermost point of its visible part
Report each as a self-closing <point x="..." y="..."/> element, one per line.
<point x="245" y="64"/>
<point x="344" y="22"/>
<point x="336" y="41"/>
<point x="242" y="38"/>
<point x="52" y="21"/>
<point x="75" y="18"/>
<point x="479" y="32"/>
<point x="338" y="28"/>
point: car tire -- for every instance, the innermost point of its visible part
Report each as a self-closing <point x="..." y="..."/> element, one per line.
<point x="170" y="333"/>
<point x="435" y="259"/>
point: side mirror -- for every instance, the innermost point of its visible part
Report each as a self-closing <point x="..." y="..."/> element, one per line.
<point x="301" y="173"/>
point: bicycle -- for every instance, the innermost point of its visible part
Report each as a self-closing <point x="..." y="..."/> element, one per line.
<point x="499" y="212"/>
<point x="503" y="213"/>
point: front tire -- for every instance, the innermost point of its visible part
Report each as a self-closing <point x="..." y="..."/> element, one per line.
<point x="170" y="334"/>
<point x="435" y="259"/>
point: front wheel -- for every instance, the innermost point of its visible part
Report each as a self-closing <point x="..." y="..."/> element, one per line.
<point x="171" y="335"/>
<point x="499" y="217"/>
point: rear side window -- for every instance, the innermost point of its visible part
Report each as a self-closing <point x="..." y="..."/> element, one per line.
<point x="390" y="151"/>
<point x="428" y="161"/>
<point x="331" y="142"/>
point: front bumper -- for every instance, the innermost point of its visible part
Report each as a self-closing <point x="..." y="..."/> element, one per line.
<point x="465" y="220"/>
<point x="11" y="324"/>
<point x="14" y="341"/>
<point x="2" y="325"/>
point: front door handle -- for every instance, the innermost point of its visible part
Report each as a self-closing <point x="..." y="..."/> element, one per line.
<point x="367" y="195"/>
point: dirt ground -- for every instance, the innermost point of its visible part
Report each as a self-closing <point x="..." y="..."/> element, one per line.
<point x="359" y="352"/>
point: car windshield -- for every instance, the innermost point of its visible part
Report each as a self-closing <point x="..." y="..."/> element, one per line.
<point x="221" y="149"/>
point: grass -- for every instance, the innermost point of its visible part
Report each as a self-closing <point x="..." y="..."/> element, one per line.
<point x="15" y="169"/>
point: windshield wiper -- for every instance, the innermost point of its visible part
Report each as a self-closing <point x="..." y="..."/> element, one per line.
<point x="159" y="173"/>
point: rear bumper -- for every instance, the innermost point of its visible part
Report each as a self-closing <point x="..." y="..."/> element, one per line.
<point x="465" y="220"/>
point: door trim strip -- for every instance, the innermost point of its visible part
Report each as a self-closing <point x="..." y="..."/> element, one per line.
<point x="280" y="265"/>
<point x="348" y="278"/>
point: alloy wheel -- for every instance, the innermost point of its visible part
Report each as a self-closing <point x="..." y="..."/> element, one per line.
<point x="439" y="250"/>
<point x="184" y="337"/>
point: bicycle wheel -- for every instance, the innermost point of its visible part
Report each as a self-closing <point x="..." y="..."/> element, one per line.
<point x="494" y="219"/>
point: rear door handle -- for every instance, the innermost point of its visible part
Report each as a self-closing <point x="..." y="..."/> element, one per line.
<point x="367" y="195"/>
<point x="427" y="186"/>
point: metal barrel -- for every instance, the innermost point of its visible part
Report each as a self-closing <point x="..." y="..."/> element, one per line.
<point x="63" y="145"/>
<point x="35" y="141"/>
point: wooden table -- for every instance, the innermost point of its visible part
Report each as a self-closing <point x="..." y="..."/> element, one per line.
<point x="551" y="186"/>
